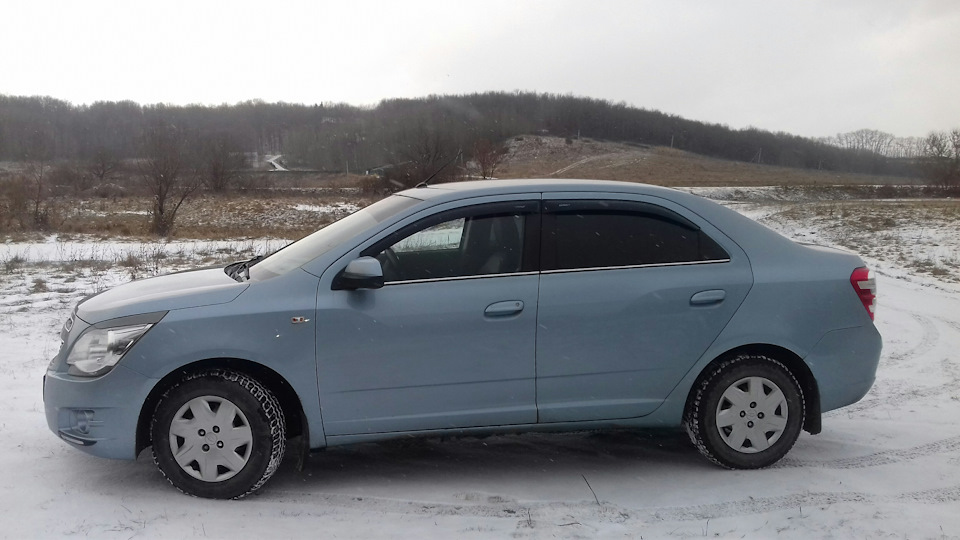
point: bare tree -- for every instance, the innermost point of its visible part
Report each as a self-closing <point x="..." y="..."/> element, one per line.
<point x="39" y="153"/>
<point x="425" y="153"/>
<point x="426" y="150"/>
<point x="167" y="173"/>
<point x="15" y="203"/>
<point x="942" y="158"/>
<point x="103" y="163"/>
<point x="222" y="160"/>
<point x="70" y="175"/>
<point x="488" y="156"/>
<point x="864" y="140"/>
<point x="906" y="147"/>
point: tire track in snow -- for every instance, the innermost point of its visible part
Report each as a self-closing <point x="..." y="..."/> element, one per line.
<point x="771" y="504"/>
<point x="884" y="457"/>
<point x="896" y="398"/>
<point x="950" y="364"/>
<point x="928" y="340"/>
<point x="547" y="513"/>
<point x="891" y="393"/>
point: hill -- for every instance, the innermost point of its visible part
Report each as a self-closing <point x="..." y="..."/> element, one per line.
<point x="416" y="134"/>
<point x="556" y="157"/>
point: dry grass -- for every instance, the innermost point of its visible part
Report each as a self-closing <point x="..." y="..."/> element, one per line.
<point x="539" y="156"/>
<point x="240" y="216"/>
<point x="207" y="216"/>
<point x="923" y="235"/>
<point x="881" y="216"/>
<point x="264" y="204"/>
<point x="298" y="180"/>
<point x="39" y="286"/>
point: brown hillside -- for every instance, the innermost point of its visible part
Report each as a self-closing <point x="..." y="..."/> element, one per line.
<point x="553" y="157"/>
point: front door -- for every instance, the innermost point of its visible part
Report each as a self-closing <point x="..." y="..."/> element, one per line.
<point x="449" y="341"/>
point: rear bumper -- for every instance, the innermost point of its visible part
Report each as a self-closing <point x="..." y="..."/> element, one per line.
<point x="98" y="416"/>
<point x="844" y="363"/>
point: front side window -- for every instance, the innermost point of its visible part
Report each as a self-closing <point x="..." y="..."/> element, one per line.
<point x="601" y="234"/>
<point x="310" y="247"/>
<point x="445" y="236"/>
<point x="476" y="241"/>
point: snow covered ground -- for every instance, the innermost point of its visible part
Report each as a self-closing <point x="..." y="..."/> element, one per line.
<point x="886" y="467"/>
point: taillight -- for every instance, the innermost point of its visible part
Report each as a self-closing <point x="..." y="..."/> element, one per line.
<point x="866" y="286"/>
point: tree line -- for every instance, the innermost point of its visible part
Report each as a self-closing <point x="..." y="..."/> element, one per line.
<point x="176" y="150"/>
<point x="417" y="136"/>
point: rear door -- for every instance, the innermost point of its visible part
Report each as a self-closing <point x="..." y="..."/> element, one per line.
<point x="633" y="291"/>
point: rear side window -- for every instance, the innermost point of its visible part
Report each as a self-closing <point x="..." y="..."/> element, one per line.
<point x="600" y="234"/>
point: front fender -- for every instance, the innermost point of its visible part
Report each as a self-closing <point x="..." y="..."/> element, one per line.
<point x="270" y="324"/>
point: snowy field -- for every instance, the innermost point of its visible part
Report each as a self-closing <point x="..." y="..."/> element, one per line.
<point x="886" y="467"/>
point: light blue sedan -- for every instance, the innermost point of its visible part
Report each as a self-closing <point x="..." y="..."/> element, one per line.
<point x="472" y="308"/>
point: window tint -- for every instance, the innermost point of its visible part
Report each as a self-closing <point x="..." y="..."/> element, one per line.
<point x="476" y="241"/>
<point x="595" y="234"/>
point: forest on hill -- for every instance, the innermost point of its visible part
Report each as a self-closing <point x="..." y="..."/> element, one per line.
<point x="419" y="134"/>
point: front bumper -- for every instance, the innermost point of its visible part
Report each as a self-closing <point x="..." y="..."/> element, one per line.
<point x="97" y="415"/>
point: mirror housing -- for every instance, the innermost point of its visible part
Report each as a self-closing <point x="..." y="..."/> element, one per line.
<point x="361" y="273"/>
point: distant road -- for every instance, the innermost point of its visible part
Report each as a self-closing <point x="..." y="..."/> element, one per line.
<point x="275" y="161"/>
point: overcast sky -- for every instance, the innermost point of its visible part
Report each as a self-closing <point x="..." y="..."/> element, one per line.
<point x="807" y="67"/>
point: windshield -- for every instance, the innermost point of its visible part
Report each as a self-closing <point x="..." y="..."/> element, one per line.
<point x="310" y="247"/>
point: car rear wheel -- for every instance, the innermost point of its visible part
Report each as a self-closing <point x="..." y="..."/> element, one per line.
<point x="746" y="413"/>
<point x="218" y="434"/>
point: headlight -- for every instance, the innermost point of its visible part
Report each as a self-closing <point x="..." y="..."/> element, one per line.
<point x="99" y="349"/>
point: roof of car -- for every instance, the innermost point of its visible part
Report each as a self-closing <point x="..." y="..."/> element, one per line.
<point x="522" y="185"/>
<point x="753" y="237"/>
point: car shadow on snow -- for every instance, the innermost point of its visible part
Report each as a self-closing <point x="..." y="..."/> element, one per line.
<point x="470" y="459"/>
<point x="462" y="461"/>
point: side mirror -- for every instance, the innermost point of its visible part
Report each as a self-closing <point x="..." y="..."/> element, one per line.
<point x="362" y="273"/>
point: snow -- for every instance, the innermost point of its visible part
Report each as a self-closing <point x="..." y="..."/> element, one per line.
<point x="897" y="250"/>
<point x="888" y="466"/>
<point x="53" y="249"/>
<point x="336" y="208"/>
<point x="121" y="212"/>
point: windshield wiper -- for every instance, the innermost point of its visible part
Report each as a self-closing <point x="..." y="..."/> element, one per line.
<point x="240" y="271"/>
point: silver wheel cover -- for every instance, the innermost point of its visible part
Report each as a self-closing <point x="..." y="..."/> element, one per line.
<point x="211" y="439"/>
<point x="752" y="415"/>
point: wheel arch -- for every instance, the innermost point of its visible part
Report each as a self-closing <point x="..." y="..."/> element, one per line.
<point x="296" y="420"/>
<point x="793" y="362"/>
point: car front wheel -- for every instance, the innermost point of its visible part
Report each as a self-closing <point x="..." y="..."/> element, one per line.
<point x="218" y="434"/>
<point x="746" y="413"/>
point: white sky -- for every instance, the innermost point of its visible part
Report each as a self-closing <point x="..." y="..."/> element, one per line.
<point x="806" y="67"/>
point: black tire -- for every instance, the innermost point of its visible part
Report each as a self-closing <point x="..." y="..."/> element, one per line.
<point x="240" y="434"/>
<point x="731" y="426"/>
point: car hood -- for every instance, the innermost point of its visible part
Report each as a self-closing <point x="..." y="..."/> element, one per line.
<point x="173" y="291"/>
